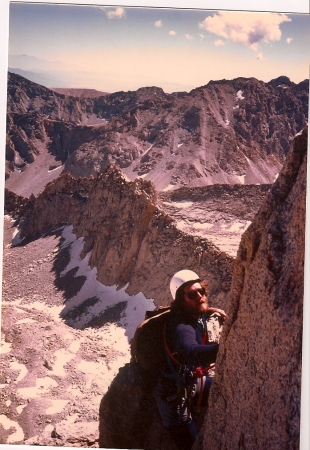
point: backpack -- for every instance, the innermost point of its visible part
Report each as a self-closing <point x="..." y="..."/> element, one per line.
<point x="148" y="343"/>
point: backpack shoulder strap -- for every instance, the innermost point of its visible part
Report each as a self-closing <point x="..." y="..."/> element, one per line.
<point x="171" y="356"/>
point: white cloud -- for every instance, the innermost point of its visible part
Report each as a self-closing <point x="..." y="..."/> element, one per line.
<point x="246" y="28"/>
<point x="219" y="43"/>
<point x="189" y="37"/>
<point x="172" y="33"/>
<point x="259" y="56"/>
<point x="201" y="36"/>
<point x="289" y="40"/>
<point x="158" y="24"/>
<point x="116" y="13"/>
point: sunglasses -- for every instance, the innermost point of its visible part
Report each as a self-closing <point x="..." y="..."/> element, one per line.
<point x="193" y="295"/>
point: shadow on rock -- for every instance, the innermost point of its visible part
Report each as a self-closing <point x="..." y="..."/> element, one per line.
<point x="128" y="415"/>
<point x="68" y="283"/>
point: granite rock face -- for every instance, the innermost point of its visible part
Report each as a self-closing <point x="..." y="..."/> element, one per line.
<point x="131" y="240"/>
<point x="255" y="397"/>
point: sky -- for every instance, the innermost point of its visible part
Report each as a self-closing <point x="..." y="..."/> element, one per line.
<point x="124" y="48"/>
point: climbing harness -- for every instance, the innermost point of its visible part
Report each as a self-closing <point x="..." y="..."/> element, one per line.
<point x="187" y="375"/>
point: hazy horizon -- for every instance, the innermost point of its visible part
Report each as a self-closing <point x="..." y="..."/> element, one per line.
<point x="43" y="81"/>
<point x="114" y="49"/>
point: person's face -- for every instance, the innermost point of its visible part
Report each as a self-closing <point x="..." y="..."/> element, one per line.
<point x="195" y="299"/>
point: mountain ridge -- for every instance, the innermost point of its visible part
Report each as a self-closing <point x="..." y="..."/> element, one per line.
<point x="229" y="131"/>
<point x="128" y="234"/>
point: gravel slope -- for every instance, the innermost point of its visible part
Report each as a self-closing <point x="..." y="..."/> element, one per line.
<point x="55" y="370"/>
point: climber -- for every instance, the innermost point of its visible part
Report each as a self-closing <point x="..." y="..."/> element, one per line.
<point x="183" y="384"/>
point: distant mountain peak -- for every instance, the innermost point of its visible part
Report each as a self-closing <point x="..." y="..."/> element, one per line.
<point x="226" y="132"/>
<point x="280" y="80"/>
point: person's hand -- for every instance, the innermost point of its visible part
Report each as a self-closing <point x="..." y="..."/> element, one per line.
<point x="217" y="310"/>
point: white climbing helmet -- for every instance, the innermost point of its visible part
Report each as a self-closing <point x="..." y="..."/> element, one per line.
<point x="181" y="277"/>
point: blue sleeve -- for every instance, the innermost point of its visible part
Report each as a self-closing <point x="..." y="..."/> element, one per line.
<point x="190" y="349"/>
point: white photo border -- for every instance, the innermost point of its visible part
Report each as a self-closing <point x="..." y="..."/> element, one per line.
<point x="285" y="6"/>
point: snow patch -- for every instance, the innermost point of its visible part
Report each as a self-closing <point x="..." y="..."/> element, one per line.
<point x="42" y="386"/>
<point x="56" y="168"/>
<point x="49" y="428"/>
<point x="74" y="391"/>
<point x="53" y="311"/>
<point x="236" y="226"/>
<point x="57" y="406"/>
<point x="28" y="320"/>
<point x="148" y="149"/>
<point x="182" y="224"/>
<point x="74" y="346"/>
<point x="14" y="365"/>
<point x="239" y="95"/>
<point x="107" y="368"/>
<point x="16" y="239"/>
<point x="72" y="419"/>
<point x="20" y="408"/>
<point x="169" y="187"/>
<point x="5" y="346"/>
<point x="241" y="178"/>
<point x="182" y="204"/>
<point x="104" y="297"/>
<point x="62" y="358"/>
<point x="18" y="434"/>
<point x="203" y="226"/>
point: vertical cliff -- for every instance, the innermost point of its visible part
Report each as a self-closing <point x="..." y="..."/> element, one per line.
<point x="131" y="240"/>
<point x="255" y="397"/>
